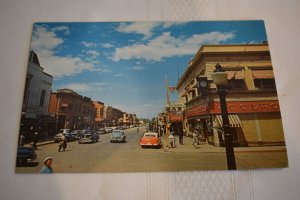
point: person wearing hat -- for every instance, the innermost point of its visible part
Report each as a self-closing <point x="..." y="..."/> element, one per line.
<point x="47" y="169"/>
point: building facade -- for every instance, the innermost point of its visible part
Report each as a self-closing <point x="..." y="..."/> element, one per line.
<point x="252" y="100"/>
<point x="99" y="106"/>
<point x="38" y="84"/>
<point x="71" y="110"/>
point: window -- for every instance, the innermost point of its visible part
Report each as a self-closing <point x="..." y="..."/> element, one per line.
<point x="193" y="92"/>
<point x="263" y="79"/>
<point x="237" y="84"/>
<point x="265" y="83"/>
<point x="42" y="99"/>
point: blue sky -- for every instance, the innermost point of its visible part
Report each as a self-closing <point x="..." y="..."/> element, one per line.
<point x="125" y="64"/>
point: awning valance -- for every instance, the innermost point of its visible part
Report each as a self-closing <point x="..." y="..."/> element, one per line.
<point x="235" y="75"/>
<point x="262" y="74"/>
<point x="234" y="120"/>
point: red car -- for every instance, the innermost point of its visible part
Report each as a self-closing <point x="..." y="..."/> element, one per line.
<point x="150" y="139"/>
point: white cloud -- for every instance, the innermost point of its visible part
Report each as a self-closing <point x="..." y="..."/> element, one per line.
<point x="136" y="68"/>
<point x="118" y="75"/>
<point x="93" y="53"/>
<point x="145" y="28"/>
<point x="45" y="42"/>
<point x="65" y="29"/>
<point x="165" y="46"/>
<point x="85" y="87"/>
<point x="88" y="44"/>
<point x="107" y="45"/>
<point x="138" y="28"/>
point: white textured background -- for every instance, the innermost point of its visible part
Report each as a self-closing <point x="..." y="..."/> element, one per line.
<point x="283" y="29"/>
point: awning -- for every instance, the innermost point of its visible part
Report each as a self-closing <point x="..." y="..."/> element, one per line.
<point x="262" y="74"/>
<point x="234" y="120"/>
<point x="235" y="75"/>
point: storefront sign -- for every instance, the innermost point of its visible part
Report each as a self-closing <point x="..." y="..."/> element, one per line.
<point x="197" y="110"/>
<point x="247" y="107"/>
<point x="234" y="107"/>
<point x="175" y="116"/>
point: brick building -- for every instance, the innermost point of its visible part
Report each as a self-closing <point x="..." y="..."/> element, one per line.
<point x="71" y="110"/>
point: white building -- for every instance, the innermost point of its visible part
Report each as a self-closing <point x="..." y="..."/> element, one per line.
<point x="36" y="94"/>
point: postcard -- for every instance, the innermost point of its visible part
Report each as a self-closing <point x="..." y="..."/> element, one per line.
<point x="105" y="97"/>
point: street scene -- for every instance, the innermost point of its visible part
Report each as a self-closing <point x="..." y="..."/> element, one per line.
<point x="149" y="96"/>
<point x="104" y="156"/>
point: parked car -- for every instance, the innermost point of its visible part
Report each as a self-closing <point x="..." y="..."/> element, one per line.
<point x="25" y="154"/>
<point x="117" y="136"/>
<point x="108" y="129"/>
<point x="67" y="133"/>
<point x="101" y="131"/>
<point x="151" y="139"/>
<point x="88" y="136"/>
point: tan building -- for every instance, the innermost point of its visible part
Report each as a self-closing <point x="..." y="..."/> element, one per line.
<point x="99" y="106"/>
<point x="252" y="100"/>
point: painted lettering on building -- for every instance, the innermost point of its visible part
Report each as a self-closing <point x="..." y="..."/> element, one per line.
<point x="235" y="107"/>
<point x="247" y="107"/>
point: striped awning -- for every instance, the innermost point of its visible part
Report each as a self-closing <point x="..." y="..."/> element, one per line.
<point x="262" y="74"/>
<point x="234" y="120"/>
<point x="235" y="75"/>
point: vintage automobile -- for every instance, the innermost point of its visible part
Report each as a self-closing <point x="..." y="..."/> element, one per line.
<point x="101" y="131"/>
<point x="88" y="136"/>
<point x="150" y="139"/>
<point x="117" y="136"/>
<point x="70" y="136"/>
<point x="108" y="129"/>
<point x="25" y="154"/>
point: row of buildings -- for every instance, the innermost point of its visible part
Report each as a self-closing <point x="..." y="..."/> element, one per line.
<point x="48" y="111"/>
<point x="252" y="100"/>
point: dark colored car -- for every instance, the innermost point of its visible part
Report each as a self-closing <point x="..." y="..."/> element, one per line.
<point x="25" y="154"/>
<point x="89" y="136"/>
<point x="118" y="136"/>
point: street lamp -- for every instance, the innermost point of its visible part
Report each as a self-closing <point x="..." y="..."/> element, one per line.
<point x="219" y="77"/>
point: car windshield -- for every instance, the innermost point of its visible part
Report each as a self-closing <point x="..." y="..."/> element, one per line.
<point x="117" y="133"/>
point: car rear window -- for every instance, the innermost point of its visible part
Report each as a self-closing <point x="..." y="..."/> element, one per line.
<point x="149" y="135"/>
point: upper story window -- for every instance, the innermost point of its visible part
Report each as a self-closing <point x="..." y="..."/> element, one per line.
<point x="42" y="98"/>
<point x="236" y="79"/>
<point x="263" y="79"/>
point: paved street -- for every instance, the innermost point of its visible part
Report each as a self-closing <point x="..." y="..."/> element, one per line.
<point x="130" y="157"/>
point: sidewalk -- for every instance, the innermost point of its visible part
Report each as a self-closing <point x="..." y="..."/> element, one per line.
<point x="41" y="142"/>
<point x="187" y="147"/>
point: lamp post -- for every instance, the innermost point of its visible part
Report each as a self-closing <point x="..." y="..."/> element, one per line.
<point x="219" y="77"/>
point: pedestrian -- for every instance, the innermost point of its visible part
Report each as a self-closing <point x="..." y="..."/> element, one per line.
<point x="195" y="139"/>
<point x="180" y="134"/>
<point x="47" y="169"/>
<point x="138" y="129"/>
<point x="35" y="139"/>
<point x="63" y="143"/>
<point x="171" y="141"/>
<point x="22" y="139"/>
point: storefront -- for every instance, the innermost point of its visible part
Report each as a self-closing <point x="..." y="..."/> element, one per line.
<point x="252" y="123"/>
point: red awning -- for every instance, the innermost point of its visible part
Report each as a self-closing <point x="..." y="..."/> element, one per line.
<point x="262" y="74"/>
